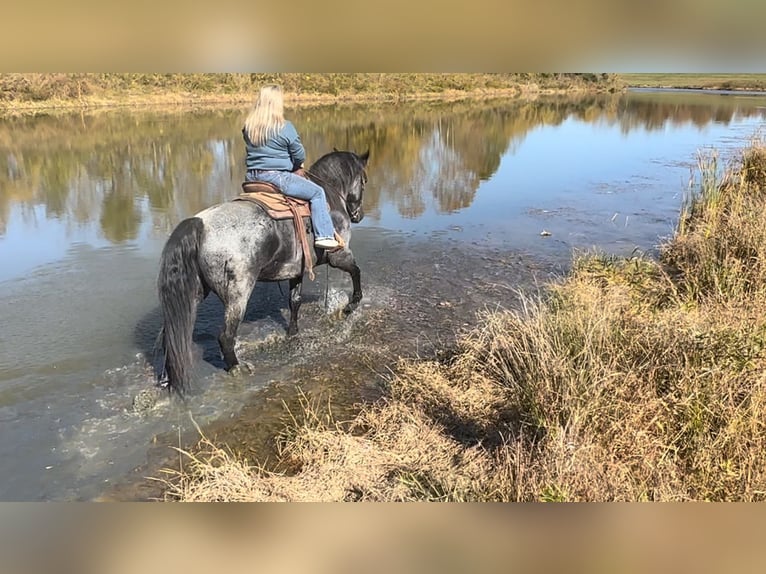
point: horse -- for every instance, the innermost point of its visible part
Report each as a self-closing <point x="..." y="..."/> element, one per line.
<point x="230" y="246"/>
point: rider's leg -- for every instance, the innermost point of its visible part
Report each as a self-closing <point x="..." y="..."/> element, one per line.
<point x="302" y="188"/>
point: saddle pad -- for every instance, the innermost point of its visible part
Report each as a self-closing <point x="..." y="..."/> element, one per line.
<point x="276" y="204"/>
<point x="280" y="206"/>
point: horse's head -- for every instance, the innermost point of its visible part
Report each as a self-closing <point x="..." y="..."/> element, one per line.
<point x="342" y="175"/>
<point x="356" y="192"/>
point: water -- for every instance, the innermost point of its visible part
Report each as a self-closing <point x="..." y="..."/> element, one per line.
<point x="466" y="201"/>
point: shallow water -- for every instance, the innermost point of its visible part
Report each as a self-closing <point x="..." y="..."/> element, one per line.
<point x="457" y="199"/>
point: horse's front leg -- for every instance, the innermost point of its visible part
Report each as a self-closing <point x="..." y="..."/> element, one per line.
<point x="344" y="260"/>
<point x="296" y="284"/>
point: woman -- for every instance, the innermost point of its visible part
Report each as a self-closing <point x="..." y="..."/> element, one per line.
<point x="275" y="151"/>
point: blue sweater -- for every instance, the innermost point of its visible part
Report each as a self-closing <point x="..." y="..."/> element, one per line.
<point x="283" y="152"/>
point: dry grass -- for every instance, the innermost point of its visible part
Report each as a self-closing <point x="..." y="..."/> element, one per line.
<point x="32" y="93"/>
<point x="632" y="379"/>
<point x="719" y="251"/>
<point x="387" y="461"/>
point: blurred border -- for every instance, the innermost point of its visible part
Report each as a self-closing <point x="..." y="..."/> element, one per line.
<point x="486" y="36"/>
<point x="338" y="538"/>
<point x="390" y="36"/>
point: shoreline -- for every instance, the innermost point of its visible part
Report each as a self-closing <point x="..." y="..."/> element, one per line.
<point x="180" y="100"/>
<point x="173" y="101"/>
<point x="35" y="94"/>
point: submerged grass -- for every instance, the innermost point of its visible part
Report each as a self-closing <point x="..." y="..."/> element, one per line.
<point x="632" y="379"/>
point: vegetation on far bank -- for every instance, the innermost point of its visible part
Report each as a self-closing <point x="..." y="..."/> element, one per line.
<point x="24" y="93"/>
<point x="631" y="379"/>
<point x="755" y="82"/>
<point x="19" y="92"/>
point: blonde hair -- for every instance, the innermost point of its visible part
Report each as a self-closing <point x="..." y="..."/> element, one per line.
<point x="267" y="116"/>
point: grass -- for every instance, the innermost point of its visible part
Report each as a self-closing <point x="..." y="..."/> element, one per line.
<point x="631" y="379"/>
<point x="719" y="252"/>
<point x="35" y="92"/>
<point x="701" y="81"/>
<point x="26" y="93"/>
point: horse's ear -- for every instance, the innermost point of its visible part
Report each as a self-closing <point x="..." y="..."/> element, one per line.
<point x="365" y="156"/>
<point x="334" y="149"/>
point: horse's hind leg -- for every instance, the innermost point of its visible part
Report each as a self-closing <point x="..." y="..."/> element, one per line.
<point x="296" y="284"/>
<point x="344" y="260"/>
<point x="233" y="315"/>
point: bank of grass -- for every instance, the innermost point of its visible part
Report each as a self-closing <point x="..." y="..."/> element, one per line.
<point x="632" y="379"/>
<point x="696" y="81"/>
<point x="20" y="93"/>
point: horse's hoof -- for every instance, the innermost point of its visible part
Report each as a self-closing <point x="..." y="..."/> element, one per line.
<point x="146" y="399"/>
<point x="242" y="368"/>
<point x="292" y="332"/>
<point x="350" y="308"/>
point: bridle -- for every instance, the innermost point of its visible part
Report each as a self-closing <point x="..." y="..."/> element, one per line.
<point x="323" y="183"/>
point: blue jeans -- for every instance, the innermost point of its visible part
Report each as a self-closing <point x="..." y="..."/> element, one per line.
<point x="302" y="188"/>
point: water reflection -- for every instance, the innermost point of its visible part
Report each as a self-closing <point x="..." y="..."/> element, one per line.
<point x="87" y="200"/>
<point x="127" y="176"/>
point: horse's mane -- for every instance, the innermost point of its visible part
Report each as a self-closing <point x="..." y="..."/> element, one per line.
<point x="335" y="170"/>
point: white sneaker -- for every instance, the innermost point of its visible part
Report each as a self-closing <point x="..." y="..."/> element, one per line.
<point x="327" y="243"/>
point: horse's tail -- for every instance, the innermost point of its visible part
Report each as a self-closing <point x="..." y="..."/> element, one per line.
<point x="180" y="289"/>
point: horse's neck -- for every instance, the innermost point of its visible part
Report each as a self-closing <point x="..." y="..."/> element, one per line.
<point x="334" y="192"/>
<point x="334" y="187"/>
<point x="336" y="199"/>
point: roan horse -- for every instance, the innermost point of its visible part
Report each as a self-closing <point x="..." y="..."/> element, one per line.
<point x="228" y="247"/>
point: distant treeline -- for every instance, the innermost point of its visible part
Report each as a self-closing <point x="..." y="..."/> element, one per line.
<point x="58" y="86"/>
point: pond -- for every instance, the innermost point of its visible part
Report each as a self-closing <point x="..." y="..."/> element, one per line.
<point x="467" y="202"/>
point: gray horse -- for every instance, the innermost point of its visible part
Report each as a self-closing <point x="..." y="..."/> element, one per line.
<point x="228" y="247"/>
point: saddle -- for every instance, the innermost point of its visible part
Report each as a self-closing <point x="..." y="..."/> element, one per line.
<point x="280" y="206"/>
<point x="273" y="201"/>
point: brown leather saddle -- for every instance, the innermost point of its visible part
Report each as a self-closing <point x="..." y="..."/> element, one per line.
<point x="280" y="206"/>
<point x="273" y="201"/>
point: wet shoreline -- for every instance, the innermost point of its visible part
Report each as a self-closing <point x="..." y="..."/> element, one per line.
<point x="420" y="321"/>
